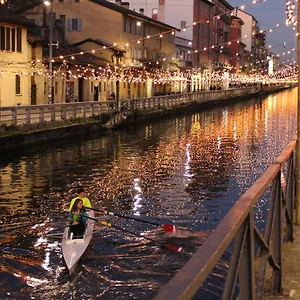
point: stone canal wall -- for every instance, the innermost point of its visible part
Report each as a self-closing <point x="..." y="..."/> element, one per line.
<point x="31" y="136"/>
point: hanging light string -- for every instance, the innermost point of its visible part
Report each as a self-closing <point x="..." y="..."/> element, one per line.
<point x="108" y="71"/>
<point x="221" y="45"/>
<point x="138" y="41"/>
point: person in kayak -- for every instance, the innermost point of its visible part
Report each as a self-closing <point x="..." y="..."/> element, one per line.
<point x="78" y="218"/>
<point x="81" y="195"/>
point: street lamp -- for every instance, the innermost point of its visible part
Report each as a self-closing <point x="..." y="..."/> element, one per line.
<point x="51" y="87"/>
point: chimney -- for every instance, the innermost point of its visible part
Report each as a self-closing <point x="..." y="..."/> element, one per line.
<point x="142" y="11"/>
<point x="118" y="2"/>
<point x="125" y="4"/>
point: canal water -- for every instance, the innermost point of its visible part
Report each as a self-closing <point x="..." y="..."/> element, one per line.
<point x="187" y="170"/>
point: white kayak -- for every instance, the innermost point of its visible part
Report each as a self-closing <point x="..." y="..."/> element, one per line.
<point x="73" y="249"/>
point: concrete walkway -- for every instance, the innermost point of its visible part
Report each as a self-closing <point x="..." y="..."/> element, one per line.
<point x="291" y="269"/>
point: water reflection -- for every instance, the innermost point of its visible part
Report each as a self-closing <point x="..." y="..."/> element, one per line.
<point x="188" y="170"/>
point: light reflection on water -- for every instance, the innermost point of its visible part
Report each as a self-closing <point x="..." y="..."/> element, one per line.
<point x="188" y="170"/>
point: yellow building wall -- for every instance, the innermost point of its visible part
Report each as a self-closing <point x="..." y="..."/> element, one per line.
<point x="13" y="63"/>
<point x="102" y="23"/>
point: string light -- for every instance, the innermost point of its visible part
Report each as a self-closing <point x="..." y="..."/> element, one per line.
<point x="290" y="16"/>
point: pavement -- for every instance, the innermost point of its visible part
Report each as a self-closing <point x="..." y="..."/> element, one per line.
<point x="291" y="269"/>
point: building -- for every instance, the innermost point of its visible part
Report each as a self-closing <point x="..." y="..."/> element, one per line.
<point x="132" y="48"/>
<point x="22" y="74"/>
<point x="254" y="39"/>
<point x="237" y="47"/>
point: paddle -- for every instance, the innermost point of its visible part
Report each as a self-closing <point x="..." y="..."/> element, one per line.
<point x="166" y="227"/>
<point x="107" y="224"/>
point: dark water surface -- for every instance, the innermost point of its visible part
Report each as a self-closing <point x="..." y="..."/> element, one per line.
<point x="187" y="170"/>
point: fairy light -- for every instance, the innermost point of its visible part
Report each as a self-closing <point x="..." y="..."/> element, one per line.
<point x="290" y="16"/>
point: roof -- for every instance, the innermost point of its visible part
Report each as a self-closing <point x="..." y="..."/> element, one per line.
<point x="129" y="12"/>
<point x="242" y="11"/>
<point x="99" y="42"/>
<point x="12" y="17"/>
<point x="68" y="50"/>
<point x="115" y="7"/>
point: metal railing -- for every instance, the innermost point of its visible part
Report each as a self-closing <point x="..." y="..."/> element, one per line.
<point x="39" y="114"/>
<point x="238" y="228"/>
<point x="171" y="101"/>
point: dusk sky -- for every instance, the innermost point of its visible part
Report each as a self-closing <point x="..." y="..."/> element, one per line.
<point x="268" y="14"/>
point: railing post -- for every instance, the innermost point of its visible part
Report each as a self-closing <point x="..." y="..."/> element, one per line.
<point x="14" y="116"/>
<point x="42" y="115"/>
<point x="28" y="116"/>
<point x="246" y="270"/>
<point x="277" y="238"/>
<point x="52" y="113"/>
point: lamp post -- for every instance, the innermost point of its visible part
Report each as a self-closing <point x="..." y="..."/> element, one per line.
<point x="51" y="87"/>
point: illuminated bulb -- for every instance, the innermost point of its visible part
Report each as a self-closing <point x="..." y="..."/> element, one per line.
<point x="72" y="57"/>
<point x="138" y="42"/>
<point x="104" y="47"/>
<point x="161" y="36"/>
<point x="148" y="36"/>
<point x="127" y="45"/>
<point x="93" y="51"/>
<point x="81" y="53"/>
<point x="242" y="7"/>
<point x="194" y="23"/>
<point x="115" y="44"/>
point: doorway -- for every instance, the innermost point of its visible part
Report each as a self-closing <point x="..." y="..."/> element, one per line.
<point x="96" y="93"/>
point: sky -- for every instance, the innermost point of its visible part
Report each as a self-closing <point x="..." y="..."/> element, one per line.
<point x="268" y="14"/>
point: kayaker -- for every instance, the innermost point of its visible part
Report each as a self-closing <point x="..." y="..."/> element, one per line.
<point x="78" y="217"/>
<point x="81" y="195"/>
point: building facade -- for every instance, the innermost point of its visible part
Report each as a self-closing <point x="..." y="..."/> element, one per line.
<point x="129" y="44"/>
<point x="21" y="75"/>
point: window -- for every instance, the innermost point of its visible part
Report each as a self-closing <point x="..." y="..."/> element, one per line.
<point x="154" y="13"/>
<point x="19" y="39"/>
<point x="7" y="38"/>
<point x="61" y="1"/>
<point x="76" y="1"/>
<point x="92" y="87"/>
<point x="45" y="88"/>
<point x="183" y="24"/>
<point x="18" y="84"/>
<point x="13" y="39"/>
<point x="74" y="25"/>
<point x="56" y="88"/>
<point x="2" y="41"/>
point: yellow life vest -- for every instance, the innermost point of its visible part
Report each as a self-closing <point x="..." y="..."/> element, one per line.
<point x="85" y="200"/>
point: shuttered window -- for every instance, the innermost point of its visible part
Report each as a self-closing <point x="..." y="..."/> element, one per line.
<point x="2" y="32"/>
<point x="7" y="39"/>
<point x="13" y="39"/>
<point x="74" y="25"/>
<point x="19" y="39"/>
<point x="18" y="84"/>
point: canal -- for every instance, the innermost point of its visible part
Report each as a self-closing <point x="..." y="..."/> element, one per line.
<point x="187" y="170"/>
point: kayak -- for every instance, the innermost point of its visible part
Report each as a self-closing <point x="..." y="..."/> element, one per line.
<point x="74" y="248"/>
